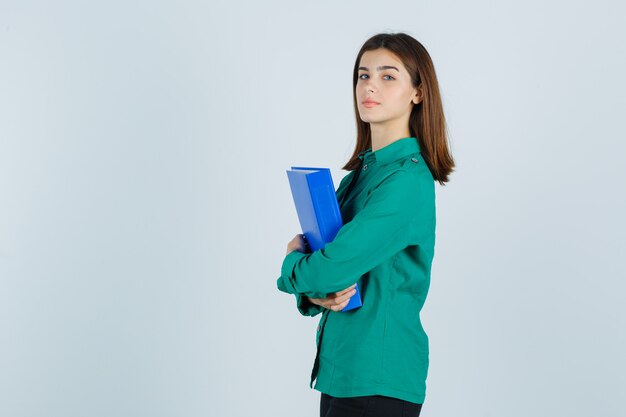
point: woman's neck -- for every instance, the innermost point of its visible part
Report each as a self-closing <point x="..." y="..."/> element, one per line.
<point x="382" y="136"/>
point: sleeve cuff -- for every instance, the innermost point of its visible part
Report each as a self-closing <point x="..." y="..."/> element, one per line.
<point x="306" y="308"/>
<point x="285" y="281"/>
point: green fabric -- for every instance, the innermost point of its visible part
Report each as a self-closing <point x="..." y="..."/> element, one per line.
<point x="386" y="245"/>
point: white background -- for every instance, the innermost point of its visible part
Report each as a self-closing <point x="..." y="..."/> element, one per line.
<point x="145" y="209"/>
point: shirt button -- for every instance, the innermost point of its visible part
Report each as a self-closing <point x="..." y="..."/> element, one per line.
<point x="364" y="167"/>
<point x="414" y="159"/>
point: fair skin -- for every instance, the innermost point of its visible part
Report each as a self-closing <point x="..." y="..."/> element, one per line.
<point x="383" y="78"/>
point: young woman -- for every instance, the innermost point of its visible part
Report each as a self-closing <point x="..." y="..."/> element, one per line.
<point x="373" y="360"/>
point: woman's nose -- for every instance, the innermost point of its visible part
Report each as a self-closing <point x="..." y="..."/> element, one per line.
<point x="369" y="86"/>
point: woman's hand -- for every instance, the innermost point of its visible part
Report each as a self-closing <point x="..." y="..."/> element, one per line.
<point x="297" y="243"/>
<point x="337" y="301"/>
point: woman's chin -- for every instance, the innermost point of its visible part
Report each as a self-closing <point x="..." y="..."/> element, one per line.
<point x="368" y="118"/>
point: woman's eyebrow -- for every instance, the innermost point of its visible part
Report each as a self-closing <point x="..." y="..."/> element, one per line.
<point x="380" y="68"/>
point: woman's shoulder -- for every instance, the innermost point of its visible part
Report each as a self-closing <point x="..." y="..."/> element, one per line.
<point x="408" y="171"/>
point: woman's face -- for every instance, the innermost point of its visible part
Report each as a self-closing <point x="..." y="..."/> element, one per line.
<point x="383" y="78"/>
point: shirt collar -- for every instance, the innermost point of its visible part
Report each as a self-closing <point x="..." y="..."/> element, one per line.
<point x="392" y="152"/>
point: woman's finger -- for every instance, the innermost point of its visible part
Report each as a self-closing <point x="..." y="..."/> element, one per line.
<point x="334" y="302"/>
<point x="344" y="297"/>
<point x="341" y="306"/>
<point x="346" y="290"/>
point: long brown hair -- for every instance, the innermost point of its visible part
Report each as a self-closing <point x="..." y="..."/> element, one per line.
<point x="427" y="122"/>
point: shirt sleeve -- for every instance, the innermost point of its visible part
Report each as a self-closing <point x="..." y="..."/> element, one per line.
<point x="304" y="306"/>
<point x="378" y="231"/>
<point x="307" y="308"/>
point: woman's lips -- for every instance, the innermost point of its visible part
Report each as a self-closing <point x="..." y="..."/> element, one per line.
<point x="370" y="104"/>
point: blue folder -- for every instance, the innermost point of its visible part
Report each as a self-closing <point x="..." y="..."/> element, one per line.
<point x="318" y="211"/>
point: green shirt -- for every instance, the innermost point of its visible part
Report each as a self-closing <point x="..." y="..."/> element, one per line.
<point x="386" y="245"/>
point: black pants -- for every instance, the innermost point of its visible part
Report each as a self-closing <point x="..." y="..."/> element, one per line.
<point x="367" y="406"/>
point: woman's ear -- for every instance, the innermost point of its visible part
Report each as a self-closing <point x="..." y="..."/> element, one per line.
<point x="419" y="95"/>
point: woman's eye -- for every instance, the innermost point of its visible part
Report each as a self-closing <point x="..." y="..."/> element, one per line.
<point x="365" y="75"/>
